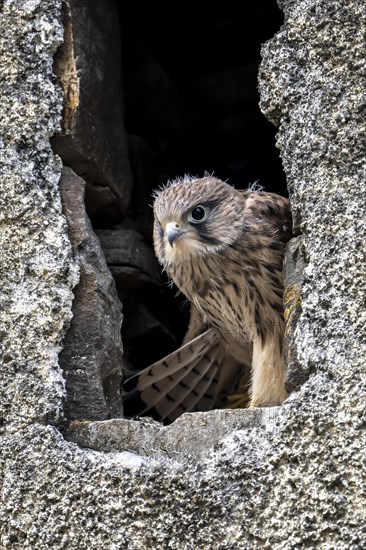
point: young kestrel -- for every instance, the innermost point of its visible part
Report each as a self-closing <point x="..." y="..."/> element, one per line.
<point x="223" y="248"/>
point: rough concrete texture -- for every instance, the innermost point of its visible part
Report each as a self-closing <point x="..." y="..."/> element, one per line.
<point x="190" y="438"/>
<point x="91" y="357"/>
<point x="293" y="273"/>
<point x="36" y="266"/>
<point x="298" y="481"/>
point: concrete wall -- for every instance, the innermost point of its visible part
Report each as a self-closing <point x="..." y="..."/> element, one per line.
<point x="289" y="477"/>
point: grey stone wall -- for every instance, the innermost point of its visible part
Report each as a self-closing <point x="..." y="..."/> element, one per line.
<point x="37" y="271"/>
<point x="289" y="477"/>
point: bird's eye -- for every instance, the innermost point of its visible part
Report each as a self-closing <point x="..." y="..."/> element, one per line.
<point x="197" y="214"/>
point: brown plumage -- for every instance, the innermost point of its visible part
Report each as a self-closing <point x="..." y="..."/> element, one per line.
<point x="224" y="249"/>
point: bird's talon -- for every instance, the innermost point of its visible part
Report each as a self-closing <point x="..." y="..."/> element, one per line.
<point x="238" y="400"/>
<point x="254" y="403"/>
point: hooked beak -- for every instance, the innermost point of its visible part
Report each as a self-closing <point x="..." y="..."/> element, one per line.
<point x="173" y="231"/>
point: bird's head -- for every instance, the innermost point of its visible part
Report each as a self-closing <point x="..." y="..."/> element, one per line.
<point x="195" y="217"/>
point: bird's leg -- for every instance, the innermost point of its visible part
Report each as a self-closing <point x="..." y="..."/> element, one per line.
<point x="238" y="400"/>
<point x="267" y="387"/>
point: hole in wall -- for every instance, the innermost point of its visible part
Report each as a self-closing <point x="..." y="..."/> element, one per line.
<point x="189" y="81"/>
<point x="191" y="99"/>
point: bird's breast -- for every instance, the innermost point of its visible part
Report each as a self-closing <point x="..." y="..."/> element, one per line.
<point x="223" y="300"/>
<point x="240" y="303"/>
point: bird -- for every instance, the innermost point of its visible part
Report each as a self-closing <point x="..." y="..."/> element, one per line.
<point x="223" y="248"/>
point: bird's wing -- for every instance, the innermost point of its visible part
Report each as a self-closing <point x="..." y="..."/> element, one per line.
<point x="274" y="208"/>
<point x="196" y="326"/>
<point x="176" y="382"/>
<point x="196" y="377"/>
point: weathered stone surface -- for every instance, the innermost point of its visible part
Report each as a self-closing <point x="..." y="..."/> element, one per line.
<point x="293" y="271"/>
<point x="191" y="438"/>
<point x="296" y="483"/>
<point x="88" y="67"/>
<point x="132" y="263"/>
<point x="91" y="357"/>
<point x="323" y="57"/>
<point x="36" y="265"/>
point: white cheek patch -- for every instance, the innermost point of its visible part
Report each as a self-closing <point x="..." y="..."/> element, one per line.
<point x="183" y="249"/>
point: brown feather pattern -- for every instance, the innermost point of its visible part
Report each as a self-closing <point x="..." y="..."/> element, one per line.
<point x="229" y="265"/>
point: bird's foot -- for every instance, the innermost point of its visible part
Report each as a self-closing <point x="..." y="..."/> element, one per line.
<point x="238" y="400"/>
<point x="257" y="402"/>
<point x="254" y="403"/>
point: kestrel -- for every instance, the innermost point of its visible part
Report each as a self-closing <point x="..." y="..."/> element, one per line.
<point x="224" y="249"/>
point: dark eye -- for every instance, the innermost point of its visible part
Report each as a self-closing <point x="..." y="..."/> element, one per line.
<point x="197" y="214"/>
